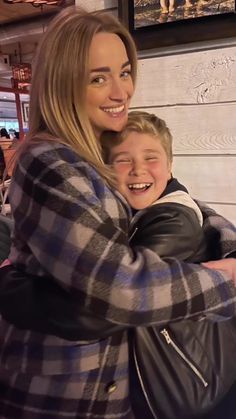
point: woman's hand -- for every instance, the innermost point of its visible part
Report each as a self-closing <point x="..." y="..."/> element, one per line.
<point x="226" y="265"/>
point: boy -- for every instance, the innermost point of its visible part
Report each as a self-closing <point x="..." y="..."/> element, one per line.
<point x="174" y="372"/>
<point x="169" y="221"/>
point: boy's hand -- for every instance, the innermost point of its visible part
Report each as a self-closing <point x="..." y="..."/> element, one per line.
<point x="226" y="265"/>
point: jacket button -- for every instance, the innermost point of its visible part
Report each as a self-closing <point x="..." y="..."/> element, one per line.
<point x="111" y="387"/>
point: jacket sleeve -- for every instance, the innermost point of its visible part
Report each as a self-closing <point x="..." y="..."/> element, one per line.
<point x="61" y="210"/>
<point x="171" y="230"/>
<point x="227" y="231"/>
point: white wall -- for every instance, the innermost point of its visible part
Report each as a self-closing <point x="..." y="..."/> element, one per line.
<point x="195" y="92"/>
<point x="97" y="4"/>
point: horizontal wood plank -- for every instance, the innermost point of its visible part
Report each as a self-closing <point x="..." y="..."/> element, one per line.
<point x="195" y="77"/>
<point x="205" y="129"/>
<point x="208" y="178"/>
<point x="97" y="4"/>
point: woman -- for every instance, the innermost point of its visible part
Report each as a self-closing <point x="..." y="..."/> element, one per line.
<point x="70" y="227"/>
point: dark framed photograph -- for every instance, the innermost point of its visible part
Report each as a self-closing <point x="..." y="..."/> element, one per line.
<point x="160" y="23"/>
<point x="25" y="109"/>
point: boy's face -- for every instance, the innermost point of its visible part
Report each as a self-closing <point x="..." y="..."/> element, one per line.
<point x="142" y="169"/>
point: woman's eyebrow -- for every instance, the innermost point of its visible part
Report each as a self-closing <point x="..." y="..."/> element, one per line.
<point x="107" y="69"/>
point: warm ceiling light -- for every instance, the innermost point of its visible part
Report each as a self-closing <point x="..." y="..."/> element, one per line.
<point x="37" y="2"/>
<point x="21" y="75"/>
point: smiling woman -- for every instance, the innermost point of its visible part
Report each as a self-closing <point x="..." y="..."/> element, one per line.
<point x="110" y="87"/>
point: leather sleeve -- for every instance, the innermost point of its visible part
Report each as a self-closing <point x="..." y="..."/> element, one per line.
<point x="171" y="230"/>
<point x="45" y="307"/>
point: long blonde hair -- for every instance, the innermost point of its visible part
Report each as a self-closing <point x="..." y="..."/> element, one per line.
<point x="60" y="77"/>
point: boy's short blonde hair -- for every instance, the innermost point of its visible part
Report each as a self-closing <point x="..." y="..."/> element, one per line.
<point x="143" y="123"/>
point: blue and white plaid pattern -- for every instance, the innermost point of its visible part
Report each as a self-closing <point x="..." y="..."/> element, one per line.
<point x="70" y="225"/>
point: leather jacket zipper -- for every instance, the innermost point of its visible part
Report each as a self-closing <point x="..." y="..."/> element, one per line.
<point x="170" y="341"/>
<point x="142" y="385"/>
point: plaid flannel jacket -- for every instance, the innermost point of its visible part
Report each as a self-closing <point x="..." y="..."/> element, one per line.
<point x="70" y="225"/>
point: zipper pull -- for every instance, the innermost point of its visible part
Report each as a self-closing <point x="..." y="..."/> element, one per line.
<point x="132" y="235"/>
<point x="166" y="335"/>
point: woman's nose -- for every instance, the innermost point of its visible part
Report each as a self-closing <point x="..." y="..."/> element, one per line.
<point x="118" y="91"/>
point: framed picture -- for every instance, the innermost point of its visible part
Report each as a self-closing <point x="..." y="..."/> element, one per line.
<point x="160" y="23"/>
<point x="25" y="109"/>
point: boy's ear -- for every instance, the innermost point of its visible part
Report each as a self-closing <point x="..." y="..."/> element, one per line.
<point x="170" y="170"/>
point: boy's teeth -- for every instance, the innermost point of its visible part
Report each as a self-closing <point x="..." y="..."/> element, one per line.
<point x="139" y="185"/>
<point x="115" y="110"/>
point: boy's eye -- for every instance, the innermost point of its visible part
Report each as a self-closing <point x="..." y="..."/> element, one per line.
<point x="151" y="158"/>
<point x="121" y="161"/>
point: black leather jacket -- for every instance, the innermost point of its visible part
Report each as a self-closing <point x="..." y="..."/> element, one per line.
<point x="173" y="230"/>
<point x="183" y="369"/>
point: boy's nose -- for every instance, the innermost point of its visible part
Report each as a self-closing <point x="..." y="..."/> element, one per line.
<point x="138" y="169"/>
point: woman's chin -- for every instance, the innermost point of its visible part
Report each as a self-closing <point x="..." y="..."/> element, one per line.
<point x="117" y="126"/>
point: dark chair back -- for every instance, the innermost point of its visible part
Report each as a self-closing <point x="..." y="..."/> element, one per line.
<point x="6" y="228"/>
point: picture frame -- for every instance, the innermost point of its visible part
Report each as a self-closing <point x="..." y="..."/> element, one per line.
<point x="197" y="29"/>
<point x="25" y="110"/>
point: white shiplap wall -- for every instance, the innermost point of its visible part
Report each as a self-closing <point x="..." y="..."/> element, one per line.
<point x="194" y="89"/>
<point x="98" y="4"/>
<point x="195" y="92"/>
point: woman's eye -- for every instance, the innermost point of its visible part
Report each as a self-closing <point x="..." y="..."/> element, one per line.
<point x="126" y="74"/>
<point x="98" y="80"/>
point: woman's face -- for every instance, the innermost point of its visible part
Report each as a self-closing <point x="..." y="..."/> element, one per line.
<point x="110" y="86"/>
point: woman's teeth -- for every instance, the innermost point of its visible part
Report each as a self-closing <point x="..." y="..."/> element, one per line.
<point x="115" y="110"/>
